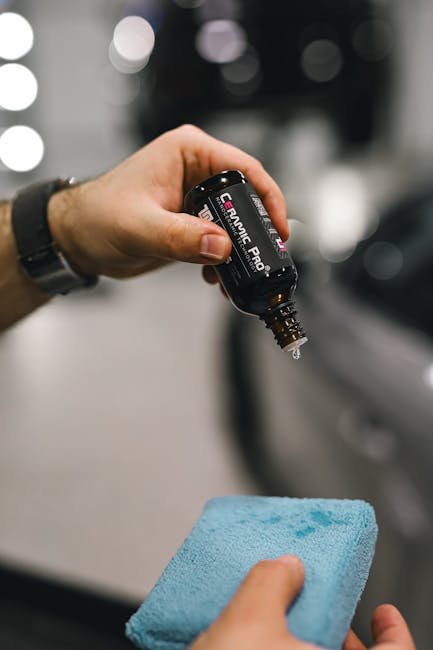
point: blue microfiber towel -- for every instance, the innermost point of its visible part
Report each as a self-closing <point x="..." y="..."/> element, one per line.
<point x="334" y="538"/>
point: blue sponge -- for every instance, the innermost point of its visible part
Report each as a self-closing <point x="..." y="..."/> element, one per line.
<point x="335" y="539"/>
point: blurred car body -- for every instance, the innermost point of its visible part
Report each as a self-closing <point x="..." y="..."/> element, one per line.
<point x="354" y="417"/>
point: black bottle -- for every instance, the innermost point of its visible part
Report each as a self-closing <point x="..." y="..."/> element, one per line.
<point x="259" y="276"/>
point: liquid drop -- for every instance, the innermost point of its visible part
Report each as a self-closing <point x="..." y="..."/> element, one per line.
<point x="296" y="354"/>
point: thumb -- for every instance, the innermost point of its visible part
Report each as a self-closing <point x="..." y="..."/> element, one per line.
<point x="180" y="236"/>
<point x="390" y="630"/>
<point x="267" y="591"/>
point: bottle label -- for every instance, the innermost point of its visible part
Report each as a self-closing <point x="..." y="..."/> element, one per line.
<point x="258" y="249"/>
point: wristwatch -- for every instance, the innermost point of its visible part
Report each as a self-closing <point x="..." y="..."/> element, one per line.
<point x="38" y="254"/>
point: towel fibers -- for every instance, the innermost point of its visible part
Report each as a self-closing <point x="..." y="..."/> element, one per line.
<point x="334" y="538"/>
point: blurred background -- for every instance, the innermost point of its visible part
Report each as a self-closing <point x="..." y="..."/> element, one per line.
<point x="124" y="409"/>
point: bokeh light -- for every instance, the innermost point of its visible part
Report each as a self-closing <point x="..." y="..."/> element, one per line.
<point x="16" y="36"/>
<point x="383" y="260"/>
<point x="221" y="41"/>
<point x="18" y="87"/>
<point x="132" y="44"/>
<point x="341" y="212"/>
<point x="373" y="40"/>
<point x="242" y="77"/>
<point x="321" y="60"/>
<point x="21" y="148"/>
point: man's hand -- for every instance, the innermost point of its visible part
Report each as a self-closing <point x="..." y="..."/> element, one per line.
<point x="130" y="220"/>
<point x="255" y="619"/>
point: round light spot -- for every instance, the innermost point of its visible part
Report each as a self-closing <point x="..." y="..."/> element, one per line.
<point x="373" y="40"/>
<point x="132" y="44"/>
<point x="221" y="41"/>
<point x="383" y="260"/>
<point x="16" y="36"/>
<point x="18" y="87"/>
<point x="243" y="76"/>
<point x="21" y="148"/>
<point x="341" y="208"/>
<point x="243" y="70"/>
<point x="321" y="60"/>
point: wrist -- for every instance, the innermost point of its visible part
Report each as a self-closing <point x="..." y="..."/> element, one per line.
<point x="65" y="219"/>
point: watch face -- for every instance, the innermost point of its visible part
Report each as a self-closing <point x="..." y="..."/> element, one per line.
<point x="51" y="272"/>
<point x="41" y="263"/>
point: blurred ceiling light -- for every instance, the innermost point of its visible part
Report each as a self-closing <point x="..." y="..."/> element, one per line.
<point x="321" y="60"/>
<point x="242" y="77"/>
<point x="21" y="148"/>
<point x="383" y="260"/>
<point x="221" y="41"/>
<point x="373" y="40"/>
<point x="18" y="87"/>
<point x="16" y="36"/>
<point x="341" y="210"/>
<point x="428" y="376"/>
<point x="132" y="44"/>
<point x="189" y="4"/>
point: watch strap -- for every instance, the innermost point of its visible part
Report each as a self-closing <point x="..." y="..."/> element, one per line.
<point x="37" y="252"/>
<point x="29" y="217"/>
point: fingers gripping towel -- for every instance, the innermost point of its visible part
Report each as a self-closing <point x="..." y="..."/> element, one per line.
<point x="335" y="539"/>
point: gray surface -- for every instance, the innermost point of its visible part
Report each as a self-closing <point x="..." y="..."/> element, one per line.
<point x="111" y="437"/>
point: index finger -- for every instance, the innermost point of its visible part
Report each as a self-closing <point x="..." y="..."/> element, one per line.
<point x="205" y="156"/>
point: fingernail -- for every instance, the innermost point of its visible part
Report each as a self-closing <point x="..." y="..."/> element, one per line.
<point x="213" y="246"/>
<point x="291" y="560"/>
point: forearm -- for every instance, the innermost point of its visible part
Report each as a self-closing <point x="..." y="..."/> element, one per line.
<point x="18" y="294"/>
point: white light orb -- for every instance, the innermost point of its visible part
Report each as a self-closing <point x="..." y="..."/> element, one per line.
<point x="18" y="87"/>
<point x="21" y="148"/>
<point x="221" y="41"/>
<point x="16" y="36"/>
<point x="132" y="44"/>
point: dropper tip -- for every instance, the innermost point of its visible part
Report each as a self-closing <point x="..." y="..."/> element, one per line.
<point x="295" y="347"/>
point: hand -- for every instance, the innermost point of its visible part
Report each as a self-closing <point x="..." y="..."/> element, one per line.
<point x="256" y="616"/>
<point x="130" y="220"/>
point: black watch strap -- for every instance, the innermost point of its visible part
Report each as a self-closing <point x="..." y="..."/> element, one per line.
<point x="37" y="252"/>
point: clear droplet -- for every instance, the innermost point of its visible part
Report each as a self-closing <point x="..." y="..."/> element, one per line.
<point x="296" y="354"/>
